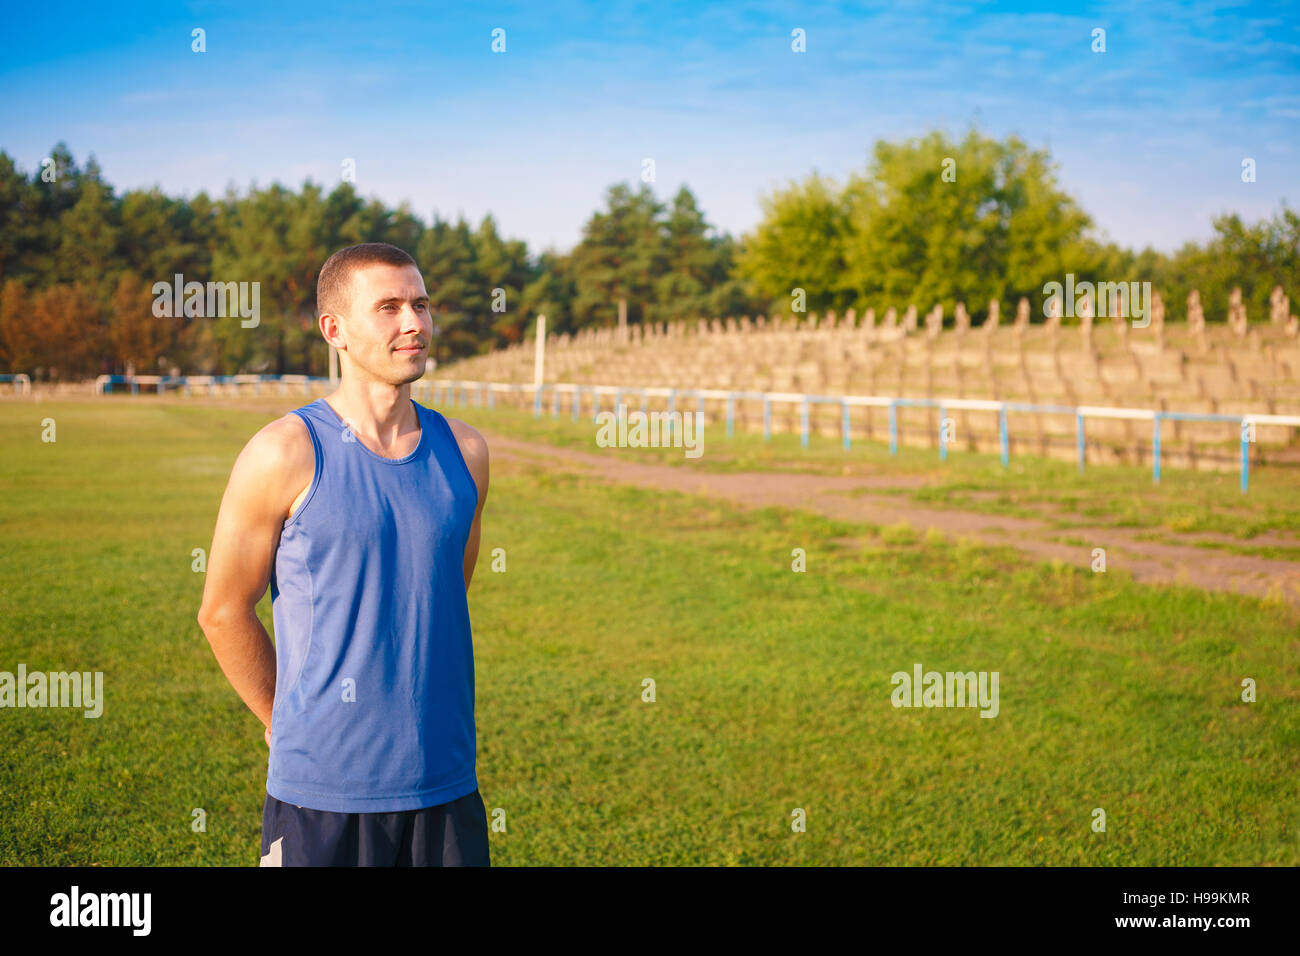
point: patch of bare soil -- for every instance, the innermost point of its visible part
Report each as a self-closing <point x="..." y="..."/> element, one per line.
<point x="842" y="498"/>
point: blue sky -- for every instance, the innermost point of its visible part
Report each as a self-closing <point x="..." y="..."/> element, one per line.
<point x="1149" y="136"/>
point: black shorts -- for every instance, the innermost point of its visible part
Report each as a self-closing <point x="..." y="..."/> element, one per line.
<point x="452" y="834"/>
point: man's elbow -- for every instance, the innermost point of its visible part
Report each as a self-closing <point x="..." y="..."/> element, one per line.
<point x="207" y="619"/>
<point x="213" y="618"/>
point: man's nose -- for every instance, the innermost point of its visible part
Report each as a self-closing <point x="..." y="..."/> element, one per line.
<point x="417" y="321"/>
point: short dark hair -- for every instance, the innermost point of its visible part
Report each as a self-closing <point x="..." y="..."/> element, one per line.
<point x="334" y="284"/>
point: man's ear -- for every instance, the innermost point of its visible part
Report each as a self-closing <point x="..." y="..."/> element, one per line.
<point x="332" y="328"/>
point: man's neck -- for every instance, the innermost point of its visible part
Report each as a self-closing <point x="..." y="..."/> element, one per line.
<point x="375" y="411"/>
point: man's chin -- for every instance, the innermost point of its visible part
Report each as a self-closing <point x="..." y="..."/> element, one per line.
<point x="409" y="377"/>
<point x="396" y="375"/>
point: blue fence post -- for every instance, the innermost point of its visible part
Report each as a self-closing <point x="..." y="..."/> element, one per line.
<point x="595" y="405"/>
<point x="555" y="401"/>
<point x="803" y="424"/>
<point x="731" y="414"/>
<point x="699" y="410"/>
<point x="1002" y="435"/>
<point x="577" y="395"/>
<point x="767" y="418"/>
<point x="844" y="423"/>
<point x="645" y="401"/>
<point x="1078" y="431"/>
<point x="672" y="407"/>
<point x="893" y="427"/>
<point x="1245" y="458"/>
<point x="1155" y="449"/>
<point x="492" y="397"/>
<point x="618" y="400"/>
<point x="943" y="436"/>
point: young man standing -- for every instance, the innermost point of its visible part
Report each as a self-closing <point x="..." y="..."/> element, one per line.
<point x="362" y="512"/>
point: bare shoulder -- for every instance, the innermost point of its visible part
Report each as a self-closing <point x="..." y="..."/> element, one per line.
<point x="277" y="463"/>
<point x="474" y="448"/>
<point x="281" y="445"/>
<point x="470" y="440"/>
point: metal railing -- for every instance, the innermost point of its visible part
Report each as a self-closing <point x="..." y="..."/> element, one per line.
<point x="213" y="383"/>
<point x="22" y="384"/>
<point x="447" y="389"/>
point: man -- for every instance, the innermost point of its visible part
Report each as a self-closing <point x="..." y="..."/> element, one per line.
<point x="362" y="511"/>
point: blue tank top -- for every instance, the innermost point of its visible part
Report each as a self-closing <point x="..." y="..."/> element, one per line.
<point x="374" y="694"/>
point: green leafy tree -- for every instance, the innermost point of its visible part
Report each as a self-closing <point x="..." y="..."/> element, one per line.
<point x="622" y="252"/>
<point x="457" y="295"/>
<point x="550" y="293"/>
<point x="800" y="243"/>
<point x="87" y="238"/>
<point x="699" y="262"/>
<point x="936" y="221"/>
<point x="503" y="264"/>
<point x="23" y="235"/>
<point x="1254" y="257"/>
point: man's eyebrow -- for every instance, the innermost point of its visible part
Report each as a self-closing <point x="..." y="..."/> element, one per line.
<point x="399" y="299"/>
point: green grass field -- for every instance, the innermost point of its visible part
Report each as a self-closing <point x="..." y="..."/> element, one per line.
<point x="773" y="687"/>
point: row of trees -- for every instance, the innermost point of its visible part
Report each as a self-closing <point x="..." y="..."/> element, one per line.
<point x="929" y="220"/>
<point x="77" y="265"/>
<point x="936" y="221"/>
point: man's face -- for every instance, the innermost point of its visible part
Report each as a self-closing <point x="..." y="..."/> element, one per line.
<point x="388" y="327"/>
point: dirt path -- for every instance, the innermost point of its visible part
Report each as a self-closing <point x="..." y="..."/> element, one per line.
<point x="843" y="498"/>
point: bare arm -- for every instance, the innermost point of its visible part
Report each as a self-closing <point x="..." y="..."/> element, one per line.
<point x="475" y="451"/>
<point x="267" y="478"/>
